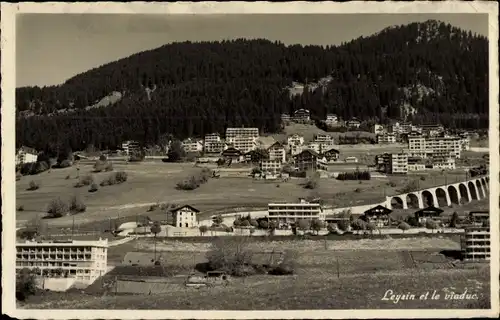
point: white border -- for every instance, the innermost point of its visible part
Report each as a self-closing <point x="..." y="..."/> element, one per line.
<point x="8" y="12"/>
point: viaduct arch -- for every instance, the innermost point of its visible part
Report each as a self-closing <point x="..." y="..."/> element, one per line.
<point x="441" y="196"/>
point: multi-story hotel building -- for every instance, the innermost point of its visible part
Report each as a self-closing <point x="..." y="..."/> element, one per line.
<point x="215" y="147"/>
<point x="130" y="147"/>
<point x="212" y="137"/>
<point x="476" y="243"/>
<point x="191" y="145"/>
<point x="421" y="146"/>
<point x="26" y="155"/>
<point x="399" y="163"/>
<point x="244" y="144"/>
<point x="443" y="162"/>
<point x="277" y="152"/>
<point x="386" y="138"/>
<point x="296" y="149"/>
<point x="324" y="139"/>
<point x="290" y="212"/>
<point x="271" y="166"/>
<point x="233" y="133"/>
<point x="83" y="260"/>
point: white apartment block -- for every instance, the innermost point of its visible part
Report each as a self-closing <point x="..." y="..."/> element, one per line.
<point x="233" y="133"/>
<point x="191" y="145"/>
<point x="324" y="139"/>
<point x="215" y="147"/>
<point x="289" y="212"/>
<point x="420" y="146"/>
<point x="83" y="260"/>
<point x="399" y="163"/>
<point x="415" y="165"/>
<point x="244" y="144"/>
<point x="465" y="142"/>
<point x="295" y="140"/>
<point x="212" y="137"/>
<point x="271" y="166"/>
<point x="129" y="147"/>
<point x="476" y="243"/>
<point x="277" y="152"/>
<point x="386" y="138"/>
<point x="443" y="163"/>
<point x="26" y="155"/>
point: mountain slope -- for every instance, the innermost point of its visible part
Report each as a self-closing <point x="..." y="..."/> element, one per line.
<point x="428" y="72"/>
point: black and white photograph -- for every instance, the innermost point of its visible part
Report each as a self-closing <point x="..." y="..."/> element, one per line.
<point x="181" y="160"/>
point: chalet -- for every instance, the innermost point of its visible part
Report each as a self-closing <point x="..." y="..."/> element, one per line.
<point x="432" y="129"/>
<point x="302" y="115"/>
<point x="233" y="154"/>
<point x="256" y="156"/>
<point x="353" y="123"/>
<point x="131" y="147"/>
<point x="26" y="155"/>
<point x="277" y="152"/>
<point x="331" y="119"/>
<point x="185" y="216"/>
<point x="378" y="129"/>
<point x="295" y="139"/>
<point x="378" y="215"/>
<point x="429" y="213"/>
<point x="307" y="160"/>
<point x="331" y="155"/>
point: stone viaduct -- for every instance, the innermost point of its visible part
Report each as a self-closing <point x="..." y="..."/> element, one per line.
<point x="442" y="196"/>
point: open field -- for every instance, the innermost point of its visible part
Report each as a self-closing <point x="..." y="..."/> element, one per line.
<point x="152" y="182"/>
<point x="335" y="278"/>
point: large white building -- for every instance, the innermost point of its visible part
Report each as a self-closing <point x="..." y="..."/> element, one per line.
<point x="192" y="145"/>
<point x="386" y="138"/>
<point x="232" y="133"/>
<point x="399" y="163"/>
<point x="26" y="155"/>
<point x="476" y="243"/>
<point x="277" y="152"/>
<point x="421" y="146"/>
<point x="83" y="260"/>
<point x="290" y="212"/>
<point x="324" y="139"/>
<point x="271" y="166"/>
<point x="130" y="147"/>
<point x="242" y="139"/>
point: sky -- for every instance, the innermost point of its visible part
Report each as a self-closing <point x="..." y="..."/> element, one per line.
<point x="51" y="48"/>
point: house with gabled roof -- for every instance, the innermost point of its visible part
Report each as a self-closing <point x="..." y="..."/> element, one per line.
<point x="379" y="215"/>
<point x="185" y="216"/>
<point x="353" y="123"/>
<point x="307" y="160"/>
<point x="277" y="151"/>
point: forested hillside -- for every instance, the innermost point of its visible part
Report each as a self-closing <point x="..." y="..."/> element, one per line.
<point x="425" y="72"/>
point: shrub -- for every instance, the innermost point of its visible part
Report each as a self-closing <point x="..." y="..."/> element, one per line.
<point x="33" y="186"/>
<point x="304" y="225"/>
<point x="404" y="226"/>
<point x="20" y="208"/>
<point x="288" y="265"/>
<point x="409" y="187"/>
<point x="317" y="225"/>
<point x="355" y="175"/>
<point x="431" y="224"/>
<point x="332" y="228"/>
<point x="25" y="284"/>
<point x="76" y="205"/>
<point x="357" y="190"/>
<point x="99" y="165"/>
<point x="85" y="181"/>
<point x="422" y="178"/>
<point x="64" y="164"/>
<point x="57" y="208"/>
<point x="93" y="187"/>
<point x="245" y="223"/>
<point x="108" y="167"/>
<point x="203" y="229"/>
<point x="230" y="255"/>
<point x="254" y="223"/>
<point x="371" y="227"/>
<point x="68" y="177"/>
